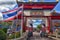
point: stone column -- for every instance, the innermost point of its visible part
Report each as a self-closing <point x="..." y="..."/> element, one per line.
<point x="56" y="31"/>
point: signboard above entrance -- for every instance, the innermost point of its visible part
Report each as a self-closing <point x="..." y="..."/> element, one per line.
<point x="37" y="13"/>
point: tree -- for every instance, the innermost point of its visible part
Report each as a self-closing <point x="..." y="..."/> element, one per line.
<point x="2" y="35"/>
<point x="39" y="27"/>
<point x="4" y="29"/>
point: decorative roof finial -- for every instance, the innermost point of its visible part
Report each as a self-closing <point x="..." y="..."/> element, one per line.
<point x="57" y="0"/>
<point x="30" y="0"/>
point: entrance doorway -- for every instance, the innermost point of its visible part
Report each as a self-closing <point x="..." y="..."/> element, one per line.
<point x="36" y="22"/>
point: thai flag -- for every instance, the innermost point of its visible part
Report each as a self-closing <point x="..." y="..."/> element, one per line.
<point x="11" y="14"/>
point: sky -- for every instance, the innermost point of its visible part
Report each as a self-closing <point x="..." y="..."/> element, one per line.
<point x="6" y="0"/>
<point x="36" y="22"/>
<point x="6" y="5"/>
<point x="33" y="0"/>
<point x="50" y="0"/>
<point x="43" y="0"/>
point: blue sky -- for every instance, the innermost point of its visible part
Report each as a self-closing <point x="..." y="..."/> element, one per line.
<point x="36" y="22"/>
<point x="33" y="0"/>
<point x="50" y="0"/>
<point x="43" y="0"/>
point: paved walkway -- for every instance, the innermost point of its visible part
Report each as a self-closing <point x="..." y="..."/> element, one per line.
<point x="36" y="36"/>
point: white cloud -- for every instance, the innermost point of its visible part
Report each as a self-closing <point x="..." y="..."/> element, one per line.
<point x="3" y="8"/>
<point x="6" y="7"/>
<point x="34" y="20"/>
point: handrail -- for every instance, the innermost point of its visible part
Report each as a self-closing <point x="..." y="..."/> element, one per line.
<point x="57" y="36"/>
<point x="24" y="36"/>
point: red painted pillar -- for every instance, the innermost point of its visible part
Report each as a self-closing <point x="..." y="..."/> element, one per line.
<point x="49" y="23"/>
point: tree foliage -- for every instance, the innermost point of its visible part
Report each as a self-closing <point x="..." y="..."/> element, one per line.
<point x="39" y="27"/>
<point x="4" y="29"/>
<point x="2" y="35"/>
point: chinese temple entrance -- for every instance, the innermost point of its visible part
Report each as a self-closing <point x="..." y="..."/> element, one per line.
<point x="36" y="22"/>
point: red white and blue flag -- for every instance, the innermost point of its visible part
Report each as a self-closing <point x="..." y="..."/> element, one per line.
<point x="11" y="14"/>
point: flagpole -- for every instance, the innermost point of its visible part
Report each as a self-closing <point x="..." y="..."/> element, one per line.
<point x="21" y="31"/>
<point x="22" y="22"/>
<point x="16" y="22"/>
<point x="12" y="28"/>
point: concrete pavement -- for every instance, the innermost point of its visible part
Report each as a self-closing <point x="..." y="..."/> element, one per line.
<point x="36" y="36"/>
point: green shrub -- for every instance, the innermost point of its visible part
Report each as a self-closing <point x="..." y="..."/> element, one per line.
<point x="17" y="34"/>
<point x="2" y="35"/>
<point x="39" y="27"/>
<point x="5" y="30"/>
<point x="13" y="35"/>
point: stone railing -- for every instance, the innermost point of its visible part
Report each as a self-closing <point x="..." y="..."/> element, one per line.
<point x="23" y="37"/>
<point x="55" y="36"/>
